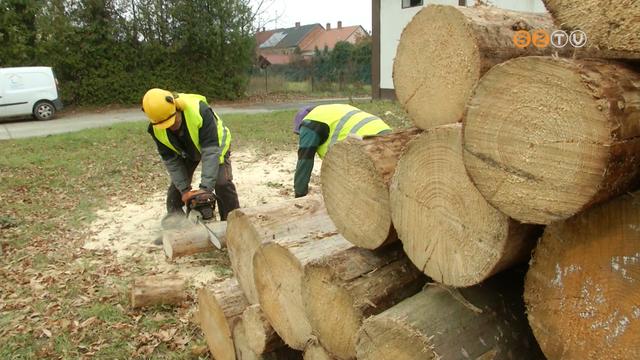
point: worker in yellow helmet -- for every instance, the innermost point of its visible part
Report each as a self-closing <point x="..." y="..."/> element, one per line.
<point x="188" y="132"/>
<point x="319" y="127"/>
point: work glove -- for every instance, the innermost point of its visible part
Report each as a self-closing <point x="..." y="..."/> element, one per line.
<point x="188" y="195"/>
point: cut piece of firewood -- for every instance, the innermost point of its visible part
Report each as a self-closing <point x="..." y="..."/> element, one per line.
<point x="261" y="336"/>
<point x="278" y="272"/>
<point x="341" y="290"/>
<point x="250" y="227"/>
<point x="220" y="307"/>
<point x="486" y="321"/>
<point x="355" y="186"/>
<point x="563" y="138"/>
<point x="189" y="240"/>
<point x="581" y="290"/>
<point x="444" y="51"/>
<point x="447" y="228"/>
<point x="158" y="290"/>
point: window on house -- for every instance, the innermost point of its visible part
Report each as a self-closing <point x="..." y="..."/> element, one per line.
<point x="411" y="3"/>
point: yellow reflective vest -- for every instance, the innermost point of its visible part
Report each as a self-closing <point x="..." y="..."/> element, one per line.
<point x="189" y="104"/>
<point x="343" y="120"/>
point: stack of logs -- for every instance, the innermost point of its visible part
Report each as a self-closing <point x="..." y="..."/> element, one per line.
<point x="418" y="247"/>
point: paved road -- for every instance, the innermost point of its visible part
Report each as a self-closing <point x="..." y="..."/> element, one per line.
<point x="77" y="122"/>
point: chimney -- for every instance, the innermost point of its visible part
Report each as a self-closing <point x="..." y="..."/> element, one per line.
<point x="339" y="24"/>
<point x="328" y="26"/>
<point x="297" y="24"/>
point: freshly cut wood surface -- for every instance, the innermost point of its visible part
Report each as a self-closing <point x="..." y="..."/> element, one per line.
<point x="314" y="351"/>
<point x="342" y="290"/>
<point x="220" y="306"/>
<point x="486" y="321"/>
<point x="158" y="290"/>
<point x="190" y="240"/>
<point x="612" y="27"/>
<point x="241" y="343"/>
<point x="446" y="226"/>
<point x="261" y="337"/>
<point x="250" y="227"/>
<point x="355" y="186"/>
<point x="582" y="293"/>
<point x="564" y="137"/>
<point x="444" y="51"/>
<point x="278" y="272"/>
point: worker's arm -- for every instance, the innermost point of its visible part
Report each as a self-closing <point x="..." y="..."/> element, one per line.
<point x="209" y="148"/>
<point x="307" y="147"/>
<point x="176" y="167"/>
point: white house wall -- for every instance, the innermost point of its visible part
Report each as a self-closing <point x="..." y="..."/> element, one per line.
<point x="393" y="19"/>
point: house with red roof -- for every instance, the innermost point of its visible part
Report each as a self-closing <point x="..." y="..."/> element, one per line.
<point x="283" y="46"/>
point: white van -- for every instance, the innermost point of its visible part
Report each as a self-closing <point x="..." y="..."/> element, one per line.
<point x="28" y="91"/>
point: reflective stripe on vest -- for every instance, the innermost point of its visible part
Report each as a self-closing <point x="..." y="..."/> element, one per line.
<point x="344" y="120"/>
<point x="190" y="106"/>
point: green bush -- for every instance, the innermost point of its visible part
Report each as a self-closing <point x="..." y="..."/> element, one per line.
<point x="106" y="52"/>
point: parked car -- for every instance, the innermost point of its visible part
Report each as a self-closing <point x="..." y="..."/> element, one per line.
<point x="28" y="91"/>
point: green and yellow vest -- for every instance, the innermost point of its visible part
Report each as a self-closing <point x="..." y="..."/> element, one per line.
<point x="344" y="120"/>
<point x="189" y="104"/>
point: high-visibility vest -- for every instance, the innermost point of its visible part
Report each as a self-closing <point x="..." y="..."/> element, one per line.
<point x="343" y="120"/>
<point x="190" y="106"/>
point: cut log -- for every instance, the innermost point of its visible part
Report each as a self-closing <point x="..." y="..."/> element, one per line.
<point x="482" y="322"/>
<point x="611" y="27"/>
<point x="315" y="351"/>
<point x="446" y="227"/>
<point x="342" y="290"/>
<point x="193" y="239"/>
<point x="278" y="271"/>
<point x="261" y="336"/>
<point x="158" y="290"/>
<point x="554" y="144"/>
<point x="248" y="228"/>
<point x="444" y="51"/>
<point x="582" y="293"/>
<point x="220" y="307"/>
<point x="355" y="186"/>
<point x="241" y="343"/>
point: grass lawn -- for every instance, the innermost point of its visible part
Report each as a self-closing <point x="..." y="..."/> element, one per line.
<point x="60" y="301"/>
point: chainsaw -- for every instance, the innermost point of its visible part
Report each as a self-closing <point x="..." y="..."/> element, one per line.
<point x="201" y="211"/>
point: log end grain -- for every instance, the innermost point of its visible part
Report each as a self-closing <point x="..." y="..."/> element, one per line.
<point x="582" y="293"/>
<point x="446" y="226"/>
<point x="261" y="336"/>
<point x="433" y="81"/>
<point x="559" y="140"/>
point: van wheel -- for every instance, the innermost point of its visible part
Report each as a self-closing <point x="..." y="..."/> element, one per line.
<point x="44" y="110"/>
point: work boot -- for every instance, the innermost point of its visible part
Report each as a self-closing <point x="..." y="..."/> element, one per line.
<point x="158" y="241"/>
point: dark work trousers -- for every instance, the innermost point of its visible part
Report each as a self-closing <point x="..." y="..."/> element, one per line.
<point x="225" y="189"/>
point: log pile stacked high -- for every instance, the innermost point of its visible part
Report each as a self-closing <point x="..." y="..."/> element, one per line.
<point x="431" y="242"/>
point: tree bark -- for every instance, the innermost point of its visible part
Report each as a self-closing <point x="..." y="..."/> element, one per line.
<point x="554" y="144"/>
<point x="190" y="240"/>
<point x="355" y="186"/>
<point x="315" y="351"/>
<point x="612" y="28"/>
<point x="581" y="291"/>
<point x="220" y="307"/>
<point x="486" y="321"/>
<point x="342" y="290"/>
<point x="278" y="271"/>
<point x="445" y="50"/>
<point x="262" y="338"/>
<point x="248" y="228"/>
<point x="158" y="290"/>
<point x="447" y="228"/>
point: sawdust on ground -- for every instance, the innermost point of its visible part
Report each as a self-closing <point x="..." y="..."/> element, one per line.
<point x="128" y="230"/>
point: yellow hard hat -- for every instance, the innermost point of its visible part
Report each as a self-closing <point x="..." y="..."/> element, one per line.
<point x="160" y="108"/>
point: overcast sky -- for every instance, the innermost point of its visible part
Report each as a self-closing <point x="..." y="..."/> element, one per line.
<point x="287" y="12"/>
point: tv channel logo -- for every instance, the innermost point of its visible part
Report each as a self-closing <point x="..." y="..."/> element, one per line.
<point x="541" y="39"/>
